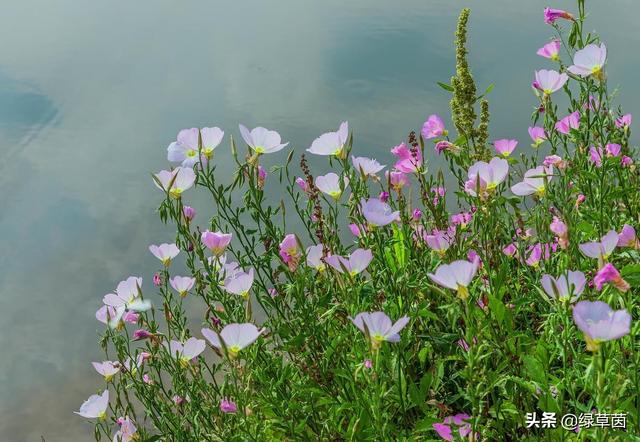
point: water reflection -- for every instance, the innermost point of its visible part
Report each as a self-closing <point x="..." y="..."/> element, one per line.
<point x="91" y="94"/>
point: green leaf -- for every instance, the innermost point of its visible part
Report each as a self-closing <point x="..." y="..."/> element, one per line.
<point x="446" y="87"/>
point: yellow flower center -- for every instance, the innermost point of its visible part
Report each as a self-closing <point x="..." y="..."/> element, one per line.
<point x="463" y="292"/>
<point x="191" y="153"/>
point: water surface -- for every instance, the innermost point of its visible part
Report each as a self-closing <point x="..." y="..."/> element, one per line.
<point x="91" y="93"/>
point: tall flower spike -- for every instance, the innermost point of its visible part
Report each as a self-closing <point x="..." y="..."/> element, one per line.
<point x="600" y="323"/>
<point x="233" y="337"/>
<point x="455" y="276"/>
<point x="378" y="327"/>
<point x="464" y="89"/>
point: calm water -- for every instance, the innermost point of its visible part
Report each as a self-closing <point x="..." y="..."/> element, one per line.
<point x="92" y="92"/>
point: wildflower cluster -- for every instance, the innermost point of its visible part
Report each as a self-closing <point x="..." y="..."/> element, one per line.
<point x="387" y="302"/>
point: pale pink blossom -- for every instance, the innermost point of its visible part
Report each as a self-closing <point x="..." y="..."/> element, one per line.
<point x="504" y="147"/>
<point x="564" y="287"/>
<point x="186" y="351"/>
<point x="433" y="127"/>
<point x="601" y="249"/>
<point x="589" y="60"/>
<point x="455" y="276"/>
<point x="549" y="81"/>
<point x="262" y="140"/>
<point x="182" y="284"/>
<point x="534" y="182"/>
<point x="353" y="264"/>
<point x="571" y="121"/>
<point x="366" y="166"/>
<point x="95" y="407"/>
<point x="408" y="161"/>
<point x="217" y="242"/>
<point x="233" y="337"/>
<point x="331" y="143"/>
<point x="550" y="50"/>
<point x="538" y="135"/>
<point x="332" y="184"/>
<point x="164" y="252"/>
<point x="484" y="177"/>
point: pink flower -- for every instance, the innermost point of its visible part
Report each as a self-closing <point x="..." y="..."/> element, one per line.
<point x="228" y="407"/>
<point x="157" y="279"/>
<point x="289" y="251"/>
<point x="188" y="212"/>
<point x="438" y="242"/>
<point x="538" y="135"/>
<point x="378" y="213"/>
<point x="407" y="162"/>
<point x="626" y="161"/>
<point x="569" y="286"/>
<point x="554" y="160"/>
<point x="486" y="177"/>
<point x="397" y="180"/>
<point x="504" y="147"/>
<point x="175" y="182"/>
<point x="559" y="228"/>
<point x="534" y="182"/>
<point x="314" y="257"/>
<point x="95" y="407"/>
<point x="262" y="176"/>
<point x="378" y="327"/>
<point x="580" y="199"/>
<point x="331" y="143"/>
<point x="355" y="263"/>
<point x="332" y="184"/>
<point x="609" y="274"/>
<point x="624" y="121"/>
<point x="302" y="183"/>
<point x="461" y="219"/>
<point x="127" y="431"/>
<point x="416" y="214"/>
<point x="457" y="422"/>
<point x="550" y="50"/>
<point x="164" y="252"/>
<point x="551" y="15"/>
<point x="233" y="337"/>
<point x="613" y="149"/>
<point x="262" y="140"/>
<point x="595" y="155"/>
<point x="384" y="196"/>
<point x="182" y="284"/>
<point x="444" y="145"/>
<point x="549" y="81"/>
<point x="600" y="323"/>
<point x="366" y="166"/>
<point x="216" y="241"/>
<point x="107" y="369"/>
<point x="571" y="121"/>
<point x="356" y="230"/>
<point x="185" y="352"/>
<point x="628" y="238"/>
<point x="239" y="283"/>
<point x="600" y="249"/>
<point x="589" y="61"/>
<point x="455" y="276"/>
<point x="535" y="256"/>
<point x="510" y="250"/>
<point x="368" y="363"/>
<point x="141" y="334"/>
<point x="433" y="127"/>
